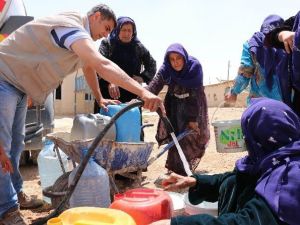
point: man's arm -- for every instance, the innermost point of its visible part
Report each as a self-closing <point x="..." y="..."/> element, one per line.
<point x="109" y="71"/>
<point x="91" y="79"/>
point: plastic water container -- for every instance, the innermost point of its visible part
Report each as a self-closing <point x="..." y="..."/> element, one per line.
<point x="49" y="166"/>
<point x="86" y="126"/>
<point x="92" y="215"/>
<point x="229" y="136"/>
<point x="92" y="188"/>
<point x="128" y="125"/>
<point x="204" y="207"/>
<point x="144" y="205"/>
<point x="178" y="203"/>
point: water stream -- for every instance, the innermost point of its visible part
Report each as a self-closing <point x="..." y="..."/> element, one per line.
<point x="182" y="156"/>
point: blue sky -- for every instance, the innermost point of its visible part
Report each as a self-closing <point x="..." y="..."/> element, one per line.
<point x="211" y="30"/>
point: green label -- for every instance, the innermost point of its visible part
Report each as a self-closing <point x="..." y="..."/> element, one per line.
<point x="231" y="136"/>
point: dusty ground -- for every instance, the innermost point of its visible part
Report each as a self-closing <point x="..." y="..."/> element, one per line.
<point x="212" y="162"/>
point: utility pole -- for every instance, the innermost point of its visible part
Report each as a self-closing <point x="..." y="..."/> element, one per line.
<point x="228" y="68"/>
<point x="75" y="93"/>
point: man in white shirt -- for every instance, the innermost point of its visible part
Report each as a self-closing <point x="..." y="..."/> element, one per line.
<point x="33" y="62"/>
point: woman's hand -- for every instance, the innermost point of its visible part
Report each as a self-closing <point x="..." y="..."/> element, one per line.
<point x="161" y="222"/>
<point x="114" y="91"/>
<point x="5" y="162"/>
<point x="230" y="98"/>
<point x="287" y="37"/>
<point x="194" y="126"/>
<point x="175" y="182"/>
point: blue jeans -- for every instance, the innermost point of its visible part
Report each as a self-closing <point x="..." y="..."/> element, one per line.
<point x="13" y="108"/>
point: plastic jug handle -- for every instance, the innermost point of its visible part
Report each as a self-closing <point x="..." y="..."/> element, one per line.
<point x="55" y="221"/>
<point x="91" y="116"/>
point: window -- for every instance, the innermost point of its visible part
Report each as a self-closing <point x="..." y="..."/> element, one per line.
<point x="215" y="97"/>
<point x="87" y="96"/>
<point x="80" y="83"/>
<point x="58" y="92"/>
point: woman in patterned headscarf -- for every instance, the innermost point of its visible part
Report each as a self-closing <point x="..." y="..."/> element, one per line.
<point x="185" y="104"/>
<point x="265" y="186"/>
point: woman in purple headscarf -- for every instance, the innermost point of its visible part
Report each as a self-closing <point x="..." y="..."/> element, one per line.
<point x="185" y="104"/>
<point x="287" y="37"/>
<point x="265" y="186"/>
<point x="258" y="67"/>
<point x="272" y="134"/>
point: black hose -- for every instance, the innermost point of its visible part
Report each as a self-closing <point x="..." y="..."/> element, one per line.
<point x="166" y="121"/>
<point x="84" y="162"/>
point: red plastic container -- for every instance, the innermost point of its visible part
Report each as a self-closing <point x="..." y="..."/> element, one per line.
<point x="144" y="205"/>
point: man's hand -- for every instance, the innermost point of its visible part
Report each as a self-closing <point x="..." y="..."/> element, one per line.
<point x="287" y="37"/>
<point x="152" y="102"/>
<point x="161" y="222"/>
<point x="104" y="102"/>
<point x="230" y="98"/>
<point x="114" y="91"/>
<point x="5" y="162"/>
<point x="176" y="182"/>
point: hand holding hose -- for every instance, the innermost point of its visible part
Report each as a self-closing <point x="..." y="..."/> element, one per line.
<point x="152" y="102"/>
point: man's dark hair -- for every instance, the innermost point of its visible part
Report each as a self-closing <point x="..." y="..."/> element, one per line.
<point x="105" y="11"/>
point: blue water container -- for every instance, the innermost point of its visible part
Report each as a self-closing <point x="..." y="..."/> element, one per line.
<point x="128" y="125"/>
<point x="92" y="188"/>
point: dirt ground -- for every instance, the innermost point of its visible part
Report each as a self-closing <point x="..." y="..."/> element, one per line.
<point x="212" y="162"/>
